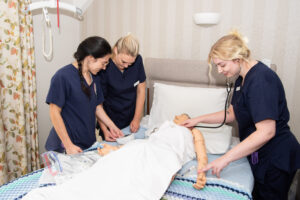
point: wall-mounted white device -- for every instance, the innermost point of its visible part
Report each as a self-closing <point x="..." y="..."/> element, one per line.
<point x="206" y="18"/>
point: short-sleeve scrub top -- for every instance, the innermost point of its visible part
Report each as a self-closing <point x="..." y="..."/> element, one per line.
<point x="77" y="109"/>
<point x="262" y="97"/>
<point x="120" y="90"/>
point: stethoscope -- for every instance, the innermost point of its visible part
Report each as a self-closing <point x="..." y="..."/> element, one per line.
<point x="228" y="89"/>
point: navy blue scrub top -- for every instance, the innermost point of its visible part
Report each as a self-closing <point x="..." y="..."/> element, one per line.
<point x="120" y="90"/>
<point x="262" y="97"/>
<point x="77" y="110"/>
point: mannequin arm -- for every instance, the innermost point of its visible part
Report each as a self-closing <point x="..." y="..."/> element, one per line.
<point x="107" y="149"/>
<point x="200" y="150"/>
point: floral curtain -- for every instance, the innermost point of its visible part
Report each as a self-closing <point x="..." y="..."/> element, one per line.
<point x="18" y="108"/>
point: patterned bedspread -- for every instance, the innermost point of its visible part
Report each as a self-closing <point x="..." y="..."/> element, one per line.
<point x="232" y="185"/>
<point x="215" y="189"/>
<point x="180" y="189"/>
<point x="19" y="187"/>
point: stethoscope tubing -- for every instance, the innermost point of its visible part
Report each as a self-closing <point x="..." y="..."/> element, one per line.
<point x="228" y="89"/>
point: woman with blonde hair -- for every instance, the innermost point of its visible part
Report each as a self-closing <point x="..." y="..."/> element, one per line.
<point x="123" y="85"/>
<point x="260" y="108"/>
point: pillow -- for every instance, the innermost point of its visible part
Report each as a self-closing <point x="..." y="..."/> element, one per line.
<point x="217" y="140"/>
<point x="171" y="100"/>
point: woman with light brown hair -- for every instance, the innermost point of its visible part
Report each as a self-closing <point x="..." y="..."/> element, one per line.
<point x="260" y="108"/>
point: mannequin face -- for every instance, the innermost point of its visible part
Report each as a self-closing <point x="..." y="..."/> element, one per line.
<point x="178" y="119"/>
<point x="228" y="68"/>
<point x="96" y="64"/>
<point x="123" y="61"/>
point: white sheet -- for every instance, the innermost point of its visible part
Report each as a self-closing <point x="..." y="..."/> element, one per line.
<point x="140" y="170"/>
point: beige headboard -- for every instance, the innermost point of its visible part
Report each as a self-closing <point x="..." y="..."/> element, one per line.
<point x="180" y="72"/>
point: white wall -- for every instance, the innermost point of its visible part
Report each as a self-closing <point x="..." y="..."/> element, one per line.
<point x="165" y="29"/>
<point x="65" y="42"/>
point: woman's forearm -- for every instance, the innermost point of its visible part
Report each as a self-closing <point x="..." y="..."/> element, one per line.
<point x="102" y="117"/>
<point x="218" y="117"/>
<point x="140" y="100"/>
<point x="103" y="127"/>
<point x="265" y="130"/>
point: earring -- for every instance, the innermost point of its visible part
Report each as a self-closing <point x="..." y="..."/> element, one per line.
<point x="240" y="68"/>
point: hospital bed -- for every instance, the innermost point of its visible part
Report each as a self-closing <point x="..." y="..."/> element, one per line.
<point x="236" y="180"/>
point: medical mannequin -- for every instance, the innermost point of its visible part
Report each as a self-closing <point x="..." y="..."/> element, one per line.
<point x="199" y="145"/>
<point x="140" y="170"/>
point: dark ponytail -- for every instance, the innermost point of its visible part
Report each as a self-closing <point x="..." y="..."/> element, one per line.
<point x="92" y="46"/>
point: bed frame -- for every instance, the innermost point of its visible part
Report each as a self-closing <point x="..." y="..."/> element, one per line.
<point x="184" y="73"/>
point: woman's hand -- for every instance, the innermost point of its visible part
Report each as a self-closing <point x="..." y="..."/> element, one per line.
<point x="112" y="133"/>
<point x="190" y="122"/>
<point x="216" y="166"/>
<point x="115" y="131"/>
<point x="73" y="149"/>
<point x="108" y="136"/>
<point x="134" y="125"/>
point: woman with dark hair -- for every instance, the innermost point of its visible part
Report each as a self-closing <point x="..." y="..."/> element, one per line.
<point x="75" y="98"/>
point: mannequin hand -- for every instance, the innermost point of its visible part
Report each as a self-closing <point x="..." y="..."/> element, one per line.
<point x="216" y="166"/>
<point x="106" y="149"/>
<point x="73" y="149"/>
<point x="190" y="122"/>
<point x="201" y="181"/>
<point x="134" y="125"/>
